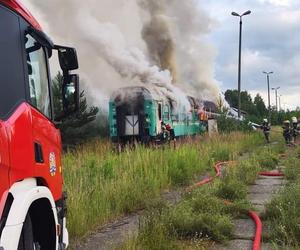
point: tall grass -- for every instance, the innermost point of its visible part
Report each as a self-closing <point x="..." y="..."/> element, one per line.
<point x="283" y="213"/>
<point x="202" y="215"/>
<point x="103" y="185"/>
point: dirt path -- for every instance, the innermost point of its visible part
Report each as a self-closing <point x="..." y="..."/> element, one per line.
<point x="259" y="195"/>
<point x="114" y="234"/>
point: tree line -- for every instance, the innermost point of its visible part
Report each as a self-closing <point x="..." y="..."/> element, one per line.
<point x="256" y="109"/>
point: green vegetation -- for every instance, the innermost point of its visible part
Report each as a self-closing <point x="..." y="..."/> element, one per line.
<point x="80" y="126"/>
<point x="283" y="213"/>
<point x="268" y="160"/>
<point x="256" y="109"/>
<point x="277" y="118"/>
<point x="206" y="213"/>
<point x="226" y="125"/>
<point x="102" y="185"/>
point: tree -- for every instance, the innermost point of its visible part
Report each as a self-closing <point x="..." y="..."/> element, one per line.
<point x="260" y="106"/>
<point x="76" y="127"/>
<point x="257" y="109"/>
<point x="231" y="96"/>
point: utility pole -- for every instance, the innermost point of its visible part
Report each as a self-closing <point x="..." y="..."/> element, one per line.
<point x="240" y="58"/>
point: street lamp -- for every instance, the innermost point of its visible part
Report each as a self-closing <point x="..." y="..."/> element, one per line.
<point x="240" y="59"/>
<point x="268" y="81"/>
<point x="276" y="97"/>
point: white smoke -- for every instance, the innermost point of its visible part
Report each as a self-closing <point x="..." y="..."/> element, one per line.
<point x="112" y="50"/>
<point x="194" y="54"/>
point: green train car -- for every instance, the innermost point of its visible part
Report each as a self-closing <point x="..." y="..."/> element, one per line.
<point x="137" y="114"/>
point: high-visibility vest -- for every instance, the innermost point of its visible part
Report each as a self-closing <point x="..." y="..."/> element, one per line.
<point x="202" y="116"/>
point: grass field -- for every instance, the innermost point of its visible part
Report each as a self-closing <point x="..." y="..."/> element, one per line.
<point x="202" y="218"/>
<point x="103" y="185"/>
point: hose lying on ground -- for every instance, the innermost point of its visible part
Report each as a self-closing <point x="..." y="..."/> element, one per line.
<point x="271" y="173"/>
<point x="252" y="214"/>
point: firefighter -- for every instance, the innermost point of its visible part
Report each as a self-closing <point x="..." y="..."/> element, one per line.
<point x="287" y="132"/>
<point x="295" y="129"/>
<point x="266" y="129"/>
<point x="165" y="131"/>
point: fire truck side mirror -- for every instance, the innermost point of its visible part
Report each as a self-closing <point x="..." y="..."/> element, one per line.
<point x="71" y="94"/>
<point x="67" y="58"/>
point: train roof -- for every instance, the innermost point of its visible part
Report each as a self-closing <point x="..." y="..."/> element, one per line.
<point x="19" y="8"/>
<point x="150" y="93"/>
<point x="158" y="93"/>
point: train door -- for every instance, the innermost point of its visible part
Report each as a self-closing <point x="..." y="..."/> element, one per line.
<point x="159" y="118"/>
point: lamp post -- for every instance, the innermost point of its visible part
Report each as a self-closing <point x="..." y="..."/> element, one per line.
<point x="276" y="89"/>
<point x="268" y="82"/>
<point x="240" y="58"/>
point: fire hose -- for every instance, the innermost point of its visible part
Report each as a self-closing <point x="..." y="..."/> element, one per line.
<point x="252" y="214"/>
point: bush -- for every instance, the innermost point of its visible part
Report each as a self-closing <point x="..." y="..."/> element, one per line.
<point x="227" y="125"/>
<point x="186" y="224"/>
<point x="268" y="159"/>
<point x="292" y="169"/>
<point x="247" y="170"/>
<point x="231" y="189"/>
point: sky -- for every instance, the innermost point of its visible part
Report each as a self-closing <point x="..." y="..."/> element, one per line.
<point x="271" y="42"/>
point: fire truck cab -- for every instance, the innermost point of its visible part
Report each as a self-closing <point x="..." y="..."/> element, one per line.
<point x="32" y="202"/>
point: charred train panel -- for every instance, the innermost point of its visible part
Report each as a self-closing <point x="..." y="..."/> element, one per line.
<point x="130" y="117"/>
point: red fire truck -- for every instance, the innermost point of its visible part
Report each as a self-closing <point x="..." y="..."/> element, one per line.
<point x="32" y="202"/>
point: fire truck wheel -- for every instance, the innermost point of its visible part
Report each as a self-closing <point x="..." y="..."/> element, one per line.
<point x="26" y="241"/>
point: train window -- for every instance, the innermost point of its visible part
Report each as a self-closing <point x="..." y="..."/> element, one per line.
<point x="166" y="112"/>
<point x="175" y="117"/>
<point x="38" y="76"/>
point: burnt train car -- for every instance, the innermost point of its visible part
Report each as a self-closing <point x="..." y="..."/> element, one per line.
<point x="138" y="113"/>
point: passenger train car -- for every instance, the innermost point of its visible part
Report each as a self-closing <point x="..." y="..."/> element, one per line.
<point x="141" y="114"/>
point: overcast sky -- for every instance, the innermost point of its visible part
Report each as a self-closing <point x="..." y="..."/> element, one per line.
<point x="271" y="42"/>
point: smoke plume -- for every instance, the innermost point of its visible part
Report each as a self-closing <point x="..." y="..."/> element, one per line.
<point x="178" y="28"/>
<point x="157" y="34"/>
<point x="134" y="42"/>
